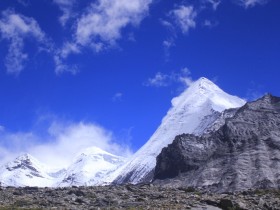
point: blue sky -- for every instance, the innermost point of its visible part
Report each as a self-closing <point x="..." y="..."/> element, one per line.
<point x="113" y="66"/>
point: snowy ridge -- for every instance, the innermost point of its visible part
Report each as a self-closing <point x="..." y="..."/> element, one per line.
<point x="25" y="171"/>
<point x="192" y="112"/>
<point x="90" y="167"/>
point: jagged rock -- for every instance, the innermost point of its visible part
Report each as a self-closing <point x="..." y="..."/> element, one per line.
<point x="226" y="204"/>
<point x="244" y="153"/>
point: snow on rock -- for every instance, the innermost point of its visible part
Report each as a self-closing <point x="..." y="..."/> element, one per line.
<point x="25" y="171"/>
<point x="196" y="109"/>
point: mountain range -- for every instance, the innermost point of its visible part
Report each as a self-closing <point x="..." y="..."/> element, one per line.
<point x="202" y="111"/>
<point x="88" y="168"/>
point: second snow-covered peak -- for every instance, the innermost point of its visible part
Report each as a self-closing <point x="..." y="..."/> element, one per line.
<point x="97" y="154"/>
<point x="90" y="167"/>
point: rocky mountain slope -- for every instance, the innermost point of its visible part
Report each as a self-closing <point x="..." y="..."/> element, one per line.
<point x="195" y="111"/>
<point x="134" y="197"/>
<point x="243" y="154"/>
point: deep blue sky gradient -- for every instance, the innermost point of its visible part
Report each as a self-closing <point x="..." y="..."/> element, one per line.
<point x="241" y="53"/>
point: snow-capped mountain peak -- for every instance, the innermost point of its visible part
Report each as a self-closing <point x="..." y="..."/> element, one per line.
<point x="25" y="170"/>
<point x="205" y="90"/>
<point x="193" y="111"/>
<point x="25" y="161"/>
<point x="90" y="167"/>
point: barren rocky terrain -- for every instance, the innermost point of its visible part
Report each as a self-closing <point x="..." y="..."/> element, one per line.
<point x="242" y="154"/>
<point x="134" y="197"/>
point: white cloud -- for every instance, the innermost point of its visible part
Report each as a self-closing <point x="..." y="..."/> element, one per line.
<point x="101" y="26"/>
<point x="69" y="48"/>
<point x="184" y="16"/>
<point x="167" y="24"/>
<point x="185" y="76"/>
<point x="167" y="44"/>
<point x="61" y="66"/>
<point x="163" y="80"/>
<point x="250" y="3"/>
<point x="63" y="142"/>
<point x="159" y="80"/>
<point x="15" y="28"/>
<point x="61" y="54"/>
<point x="66" y="6"/>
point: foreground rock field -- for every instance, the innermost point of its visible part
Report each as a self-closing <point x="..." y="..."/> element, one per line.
<point x="134" y="197"/>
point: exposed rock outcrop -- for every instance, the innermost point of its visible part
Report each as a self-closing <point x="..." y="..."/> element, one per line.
<point x="244" y="153"/>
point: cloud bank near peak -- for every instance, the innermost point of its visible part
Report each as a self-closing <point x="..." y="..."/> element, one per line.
<point x="61" y="144"/>
<point x="164" y="80"/>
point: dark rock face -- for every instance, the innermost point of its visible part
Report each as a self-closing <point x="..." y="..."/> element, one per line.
<point x="243" y="154"/>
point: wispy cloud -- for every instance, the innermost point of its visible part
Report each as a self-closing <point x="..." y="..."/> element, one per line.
<point x="184" y="16"/>
<point x="214" y="3"/>
<point x="101" y="26"/>
<point x="61" y="67"/>
<point x="167" y="45"/>
<point x="66" y="6"/>
<point x="163" y="80"/>
<point x="15" y="29"/>
<point x="159" y="80"/>
<point x="185" y="76"/>
<point x="250" y="3"/>
<point x="63" y="141"/>
<point x="117" y="97"/>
